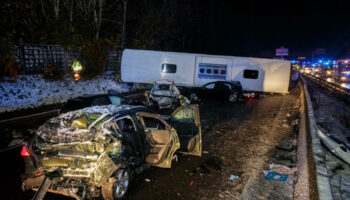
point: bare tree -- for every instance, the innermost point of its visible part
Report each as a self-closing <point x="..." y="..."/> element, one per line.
<point x="125" y="2"/>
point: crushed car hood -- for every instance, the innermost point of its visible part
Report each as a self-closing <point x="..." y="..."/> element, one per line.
<point x="67" y="128"/>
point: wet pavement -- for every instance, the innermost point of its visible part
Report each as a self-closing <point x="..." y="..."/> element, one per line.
<point x="239" y="142"/>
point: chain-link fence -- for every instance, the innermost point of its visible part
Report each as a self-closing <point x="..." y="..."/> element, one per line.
<point x="35" y="58"/>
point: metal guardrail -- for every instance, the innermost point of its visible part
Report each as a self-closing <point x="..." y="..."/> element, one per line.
<point x="334" y="87"/>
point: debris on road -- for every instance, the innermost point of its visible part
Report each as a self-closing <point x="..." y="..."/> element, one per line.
<point x="175" y="157"/>
<point x="286" y="145"/>
<point x="285" y="125"/>
<point x="337" y="148"/>
<point x="275" y="176"/>
<point x="233" y="177"/>
<point x="282" y="169"/>
<point x="147" y="180"/>
<point x="191" y="183"/>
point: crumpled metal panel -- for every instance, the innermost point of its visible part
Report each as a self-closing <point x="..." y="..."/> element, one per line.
<point x="94" y="164"/>
<point x="164" y="97"/>
<point x="339" y="149"/>
<point x="76" y="126"/>
<point x="103" y="170"/>
<point x="67" y="128"/>
<point x="91" y="148"/>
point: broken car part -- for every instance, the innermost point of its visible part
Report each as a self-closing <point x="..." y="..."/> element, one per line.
<point x="337" y="148"/>
<point x="96" y="149"/>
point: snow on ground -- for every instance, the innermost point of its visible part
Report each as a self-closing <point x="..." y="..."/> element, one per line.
<point x="32" y="90"/>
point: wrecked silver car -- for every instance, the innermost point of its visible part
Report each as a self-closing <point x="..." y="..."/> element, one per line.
<point x="164" y="94"/>
<point x="95" y="151"/>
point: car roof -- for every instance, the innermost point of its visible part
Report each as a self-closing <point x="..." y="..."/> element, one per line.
<point x="112" y="109"/>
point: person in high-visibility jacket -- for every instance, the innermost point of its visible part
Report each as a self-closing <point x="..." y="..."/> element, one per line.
<point x="77" y="67"/>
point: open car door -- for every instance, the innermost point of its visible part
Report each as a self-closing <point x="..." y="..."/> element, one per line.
<point x="162" y="138"/>
<point x="185" y="120"/>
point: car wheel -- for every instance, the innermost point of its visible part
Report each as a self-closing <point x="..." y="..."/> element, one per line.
<point x="121" y="183"/>
<point x="117" y="185"/>
<point x="233" y="97"/>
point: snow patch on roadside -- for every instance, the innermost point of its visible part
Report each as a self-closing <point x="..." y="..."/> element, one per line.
<point x="32" y="90"/>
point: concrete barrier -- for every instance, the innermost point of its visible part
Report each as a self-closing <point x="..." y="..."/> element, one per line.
<point x="311" y="164"/>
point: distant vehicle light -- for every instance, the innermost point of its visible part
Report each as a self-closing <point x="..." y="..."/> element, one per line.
<point x="343" y="78"/>
<point x="320" y="61"/>
<point x="346" y="61"/>
<point x="343" y="85"/>
<point x="329" y="80"/>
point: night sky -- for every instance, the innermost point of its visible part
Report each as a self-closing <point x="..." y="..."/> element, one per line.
<point x="257" y="28"/>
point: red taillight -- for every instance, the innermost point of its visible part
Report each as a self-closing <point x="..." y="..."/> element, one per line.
<point x="25" y="152"/>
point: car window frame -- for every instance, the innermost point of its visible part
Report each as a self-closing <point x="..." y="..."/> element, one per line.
<point x="151" y="115"/>
<point x="123" y="117"/>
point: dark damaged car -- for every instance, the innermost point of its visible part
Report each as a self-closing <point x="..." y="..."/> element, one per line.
<point x="226" y="91"/>
<point x="95" y="151"/>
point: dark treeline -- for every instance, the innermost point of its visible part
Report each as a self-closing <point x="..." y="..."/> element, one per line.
<point x="151" y="24"/>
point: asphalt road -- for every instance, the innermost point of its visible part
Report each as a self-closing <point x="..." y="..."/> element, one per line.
<point x="239" y="139"/>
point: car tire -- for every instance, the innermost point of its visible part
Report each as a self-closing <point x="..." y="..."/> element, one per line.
<point x="117" y="185"/>
<point x="233" y="97"/>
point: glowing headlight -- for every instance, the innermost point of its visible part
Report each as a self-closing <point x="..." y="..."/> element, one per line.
<point x="343" y="78"/>
<point x="343" y="85"/>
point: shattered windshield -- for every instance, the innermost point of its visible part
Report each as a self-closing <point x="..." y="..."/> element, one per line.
<point x="84" y="121"/>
